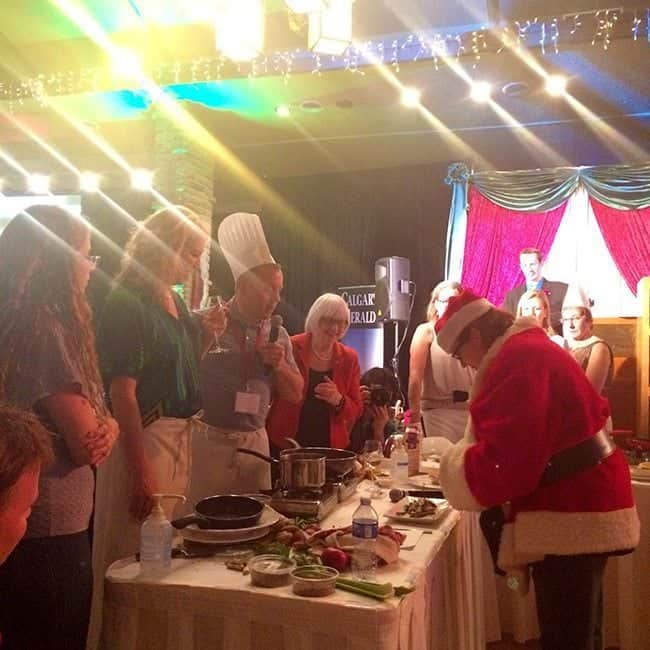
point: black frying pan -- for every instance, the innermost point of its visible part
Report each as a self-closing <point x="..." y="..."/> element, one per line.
<point x="223" y="512"/>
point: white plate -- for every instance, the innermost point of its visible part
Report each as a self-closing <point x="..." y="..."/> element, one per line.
<point x="640" y="474"/>
<point x="268" y="519"/>
<point x="424" y="482"/>
<point x="443" y="506"/>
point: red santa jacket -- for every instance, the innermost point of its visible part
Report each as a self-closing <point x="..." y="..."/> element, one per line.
<point x="530" y="401"/>
<point x="284" y="417"/>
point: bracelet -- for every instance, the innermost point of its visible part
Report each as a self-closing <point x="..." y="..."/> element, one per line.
<point x="341" y="404"/>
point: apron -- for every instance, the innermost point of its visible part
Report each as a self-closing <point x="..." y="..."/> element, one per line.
<point x="116" y="534"/>
<point x="217" y="468"/>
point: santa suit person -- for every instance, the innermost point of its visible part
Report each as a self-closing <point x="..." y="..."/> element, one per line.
<point x="535" y="446"/>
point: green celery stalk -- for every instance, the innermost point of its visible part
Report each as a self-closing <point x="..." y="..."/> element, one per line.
<point x="366" y="588"/>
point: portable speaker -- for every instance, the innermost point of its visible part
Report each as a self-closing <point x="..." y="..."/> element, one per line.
<point x="392" y="296"/>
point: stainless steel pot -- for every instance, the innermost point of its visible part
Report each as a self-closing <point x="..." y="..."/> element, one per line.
<point x="338" y="462"/>
<point x="298" y="471"/>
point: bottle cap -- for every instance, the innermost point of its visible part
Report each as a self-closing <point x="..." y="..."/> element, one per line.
<point x="157" y="498"/>
<point x="365" y="501"/>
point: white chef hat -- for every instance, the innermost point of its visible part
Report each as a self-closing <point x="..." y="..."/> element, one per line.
<point x="241" y="238"/>
<point x="576" y="296"/>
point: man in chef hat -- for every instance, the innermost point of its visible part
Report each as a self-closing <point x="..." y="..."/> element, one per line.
<point x="252" y="362"/>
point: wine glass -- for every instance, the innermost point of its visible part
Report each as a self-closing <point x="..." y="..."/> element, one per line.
<point x="372" y="455"/>
<point x="209" y="304"/>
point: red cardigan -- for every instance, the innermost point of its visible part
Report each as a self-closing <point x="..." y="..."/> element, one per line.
<point x="282" y="421"/>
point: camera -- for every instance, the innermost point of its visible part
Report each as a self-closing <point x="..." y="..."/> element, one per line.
<point x="379" y="396"/>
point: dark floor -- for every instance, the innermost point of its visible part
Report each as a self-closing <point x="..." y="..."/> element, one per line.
<point x="509" y="644"/>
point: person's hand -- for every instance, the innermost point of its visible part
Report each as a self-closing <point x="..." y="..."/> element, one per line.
<point x="99" y="443"/>
<point x="380" y="417"/>
<point x="271" y="354"/>
<point x="215" y="321"/>
<point x="328" y="392"/>
<point x="141" y="495"/>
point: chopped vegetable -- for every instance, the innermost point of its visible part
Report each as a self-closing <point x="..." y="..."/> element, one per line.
<point x="365" y="588"/>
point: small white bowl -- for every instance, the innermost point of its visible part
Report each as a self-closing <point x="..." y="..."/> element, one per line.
<point x="314" y="580"/>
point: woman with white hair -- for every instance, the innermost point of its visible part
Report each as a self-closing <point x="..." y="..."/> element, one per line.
<point x="331" y="400"/>
<point x="438" y="385"/>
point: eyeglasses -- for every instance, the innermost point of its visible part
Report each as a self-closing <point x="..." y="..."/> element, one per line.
<point x="329" y="321"/>
<point x="93" y="260"/>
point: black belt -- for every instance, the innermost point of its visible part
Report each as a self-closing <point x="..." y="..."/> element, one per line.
<point x="575" y="459"/>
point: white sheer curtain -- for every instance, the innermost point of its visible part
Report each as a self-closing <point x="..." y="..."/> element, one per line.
<point x="579" y="256"/>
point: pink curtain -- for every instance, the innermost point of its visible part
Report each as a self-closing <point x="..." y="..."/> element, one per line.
<point x="495" y="235"/>
<point x="627" y="236"/>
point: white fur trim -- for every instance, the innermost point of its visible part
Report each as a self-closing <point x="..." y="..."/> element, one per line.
<point x="456" y="323"/>
<point x="567" y="533"/>
<point x="452" y="477"/>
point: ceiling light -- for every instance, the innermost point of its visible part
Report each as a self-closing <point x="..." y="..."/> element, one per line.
<point x="38" y="184"/>
<point x="89" y="182"/>
<point x="410" y="97"/>
<point x="303" y="6"/>
<point x="125" y="63"/>
<point x="556" y="85"/>
<point x="283" y="110"/>
<point x="330" y="28"/>
<point x="142" y="179"/>
<point x="239" y="28"/>
<point x="480" y="91"/>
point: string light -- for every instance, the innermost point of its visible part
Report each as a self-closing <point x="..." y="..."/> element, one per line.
<point x="413" y="47"/>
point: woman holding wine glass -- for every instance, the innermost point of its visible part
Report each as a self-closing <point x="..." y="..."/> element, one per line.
<point x="150" y="347"/>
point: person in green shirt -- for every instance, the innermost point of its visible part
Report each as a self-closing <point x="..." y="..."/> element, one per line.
<point x="149" y="348"/>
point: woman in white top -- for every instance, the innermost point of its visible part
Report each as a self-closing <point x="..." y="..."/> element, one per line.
<point x="535" y="303"/>
<point x="438" y="385"/>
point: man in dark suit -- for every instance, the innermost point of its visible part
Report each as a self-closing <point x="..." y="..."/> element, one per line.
<point x="530" y="262"/>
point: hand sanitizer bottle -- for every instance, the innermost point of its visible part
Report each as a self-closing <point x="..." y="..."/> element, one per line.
<point x="156" y="534"/>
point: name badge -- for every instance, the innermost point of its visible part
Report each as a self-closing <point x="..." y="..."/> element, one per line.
<point x="248" y="403"/>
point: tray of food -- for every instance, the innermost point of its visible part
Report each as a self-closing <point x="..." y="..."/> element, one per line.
<point x="418" y="510"/>
<point x="640" y="472"/>
<point x="424" y="481"/>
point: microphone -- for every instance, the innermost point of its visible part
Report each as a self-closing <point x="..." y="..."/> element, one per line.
<point x="276" y="324"/>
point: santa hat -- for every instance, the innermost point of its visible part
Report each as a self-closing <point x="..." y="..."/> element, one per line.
<point x="241" y="238"/>
<point x="462" y="310"/>
<point x="576" y="296"/>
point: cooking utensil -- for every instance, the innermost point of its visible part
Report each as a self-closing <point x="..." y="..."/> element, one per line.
<point x="223" y="512"/>
<point x="339" y="462"/>
<point x="299" y="470"/>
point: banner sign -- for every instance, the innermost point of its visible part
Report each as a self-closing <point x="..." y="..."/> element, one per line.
<point x="366" y="333"/>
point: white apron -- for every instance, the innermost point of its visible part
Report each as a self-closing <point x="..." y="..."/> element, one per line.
<point x="217" y="468"/>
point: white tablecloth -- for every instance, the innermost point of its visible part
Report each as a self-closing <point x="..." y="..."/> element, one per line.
<point x="201" y="604"/>
<point x="626" y="594"/>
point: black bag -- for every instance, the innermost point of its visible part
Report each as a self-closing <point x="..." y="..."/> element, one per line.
<point x="491" y="521"/>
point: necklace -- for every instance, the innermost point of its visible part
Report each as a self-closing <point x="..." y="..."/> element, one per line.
<point x="322" y="357"/>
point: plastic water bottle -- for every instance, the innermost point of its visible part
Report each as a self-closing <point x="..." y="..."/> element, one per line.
<point x="156" y="535"/>
<point x="400" y="460"/>
<point x="365" y="525"/>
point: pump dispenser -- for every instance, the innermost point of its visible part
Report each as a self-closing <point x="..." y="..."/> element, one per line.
<point x="156" y="534"/>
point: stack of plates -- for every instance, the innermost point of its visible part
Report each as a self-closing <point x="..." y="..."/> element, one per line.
<point x="268" y="518"/>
